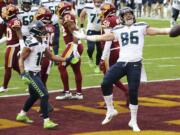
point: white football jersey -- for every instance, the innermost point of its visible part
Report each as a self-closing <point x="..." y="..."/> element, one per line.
<point x="93" y="14"/>
<point x="79" y="4"/>
<point x="33" y="61"/>
<point x="131" y="40"/>
<point x="26" y="18"/>
<point x="108" y="1"/>
<point x="176" y="4"/>
<point x="52" y="6"/>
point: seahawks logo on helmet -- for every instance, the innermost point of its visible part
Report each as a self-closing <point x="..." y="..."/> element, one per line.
<point x="37" y="28"/>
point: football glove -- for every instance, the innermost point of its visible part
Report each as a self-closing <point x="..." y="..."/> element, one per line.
<point x="72" y="59"/>
<point x="79" y="34"/>
<point x="25" y="78"/>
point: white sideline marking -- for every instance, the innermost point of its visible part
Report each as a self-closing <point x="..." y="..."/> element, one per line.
<point x="1" y="68"/>
<point x="88" y="87"/>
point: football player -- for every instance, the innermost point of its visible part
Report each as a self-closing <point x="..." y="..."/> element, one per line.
<point x="26" y="15"/>
<point x="131" y="40"/>
<point x="30" y="66"/>
<point x="52" y="6"/>
<point x="92" y="11"/>
<point x="14" y="39"/>
<point x="73" y="46"/>
<point x="2" y="23"/>
<point x="111" y="48"/>
<point x="45" y="16"/>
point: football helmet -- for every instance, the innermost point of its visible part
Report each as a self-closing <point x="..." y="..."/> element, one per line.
<point x="127" y="20"/>
<point x="37" y="28"/>
<point x="10" y="11"/>
<point x="26" y="5"/>
<point x="63" y="8"/>
<point x="44" y="15"/>
<point x="107" y="9"/>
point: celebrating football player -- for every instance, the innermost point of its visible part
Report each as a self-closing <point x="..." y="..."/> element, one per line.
<point x="131" y="40"/>
<point x="30" y="66"/>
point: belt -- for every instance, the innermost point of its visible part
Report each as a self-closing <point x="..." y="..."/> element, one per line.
<point x="33" y="73"/>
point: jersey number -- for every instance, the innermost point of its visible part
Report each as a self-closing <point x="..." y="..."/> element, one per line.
<point x="39" y="59"/>
<point x="27" y="19"/>
<point x="93" y="18"/>
<point x="131" y="38"/>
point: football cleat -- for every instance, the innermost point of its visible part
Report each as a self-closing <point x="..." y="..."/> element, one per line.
<point x="134" y="126"/>
<point x="78" y="96"/>
<point x="2" y="89"/>
<point x="66" y="95"/>
<point x="24" y="118"/>
<point x="49" y="124"/>
<point x="109" y="116"/>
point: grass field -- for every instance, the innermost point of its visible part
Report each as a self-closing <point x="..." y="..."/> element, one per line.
<point x="161" y="60"/>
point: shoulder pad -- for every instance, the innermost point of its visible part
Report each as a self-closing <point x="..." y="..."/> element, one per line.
<point x="141" y="24"/>
<point x="30" y="42"/>
<point x="118" y="27"/>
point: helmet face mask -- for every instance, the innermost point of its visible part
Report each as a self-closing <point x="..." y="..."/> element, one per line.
<point x="127" y="16"/>
<point x="37" y="29"/>
<point x="26" y="5"/>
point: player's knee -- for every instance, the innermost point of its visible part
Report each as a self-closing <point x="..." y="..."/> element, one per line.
<point x="106" y="88"/>
<point x="133" y="97"/>
<point x="45" y="97"/>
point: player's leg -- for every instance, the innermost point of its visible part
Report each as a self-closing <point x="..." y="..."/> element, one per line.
<point x="174" y="17"/>
<point x="133" y="78"/>
<point x="15" y="61"/>
<point x="56" y="39"/>
<point x="8" y="67"/>
<point x="98" y="56"/>
<point x="78" y="80"/>
<point x="22" y="116"/>
<point x="64" y="74"/>
<point x="113" y="75"/>
<point x="42" y="92"/>
<point x="90" y="49"/>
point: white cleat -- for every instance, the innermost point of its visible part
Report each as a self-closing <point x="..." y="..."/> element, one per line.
<point x="134" y="126"/>
<point x="66" y="95"/>
<point x="109" y="116"/>
<point x="78" y="96"/>
<point x="2" y="89"/>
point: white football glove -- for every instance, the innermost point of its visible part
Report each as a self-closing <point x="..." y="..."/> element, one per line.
<point x="80" y="34"/>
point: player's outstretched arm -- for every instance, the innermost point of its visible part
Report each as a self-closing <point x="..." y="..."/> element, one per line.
<point x="104" y="37"/>
<point x="55" y="58"/>
<point x="157" y="31"/>
<point x="175" y="31"/>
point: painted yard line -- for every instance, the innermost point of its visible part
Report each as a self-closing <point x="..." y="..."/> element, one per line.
<point x="162" y="58"/>
<point x="88" y="87"/>
<point x="162" y="44"/>
<point x="1" y="68"/>
<point x="164" y="66"/>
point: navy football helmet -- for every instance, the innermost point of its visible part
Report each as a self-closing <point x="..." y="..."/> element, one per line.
<point x="37" y="28"/>
<point x="26" y="5"/>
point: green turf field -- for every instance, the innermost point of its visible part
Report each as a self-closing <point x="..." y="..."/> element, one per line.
<point x="161" y="60"/>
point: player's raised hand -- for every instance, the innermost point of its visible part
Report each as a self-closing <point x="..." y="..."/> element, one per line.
<point x="80" y="34"/>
